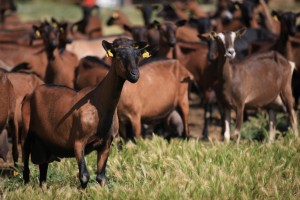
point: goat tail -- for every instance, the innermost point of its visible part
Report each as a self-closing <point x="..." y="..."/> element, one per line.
<point x="293" y="65"/>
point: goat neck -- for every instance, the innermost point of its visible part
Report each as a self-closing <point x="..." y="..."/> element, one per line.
<point x="106" y="96"/>
<point x="224" y="67"/>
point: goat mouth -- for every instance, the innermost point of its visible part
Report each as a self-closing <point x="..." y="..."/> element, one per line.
<point x="229" y="55"/>
<point x="133" y="77"/>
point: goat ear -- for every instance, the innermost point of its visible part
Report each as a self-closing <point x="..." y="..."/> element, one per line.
<point x="156" y="24"/>
<point x="148" y="51"/>
<point x="140" y="45"/>
<point x="127" y="28"/>
<point x="204" y="37"/>
<point x="276" y="15"/>
<point x="213" y="35"/>
<point x="237" y="5"/>
<point x="53" y="20"/>
<point x="108" y="48"/>
<point x="180" y="23"/>
<point x="36" y="31"/>
<point x="241" y="32"/>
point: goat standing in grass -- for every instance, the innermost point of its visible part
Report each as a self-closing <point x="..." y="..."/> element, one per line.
<point x="261" y="80"/>
<point x="60" y="122"/>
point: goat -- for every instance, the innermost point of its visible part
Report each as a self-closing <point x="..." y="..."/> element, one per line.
<point x="262" y="80"/>
<point x="90" y="24"/>
<point x="6" y="5"/>
<point x="61" y="63"/>
<point x="8" y="116"/>
<point x="160" y="76"/>
<point x="60" y="122"/>
<point x="147" y="12"/>
<point x="90" y="71"/>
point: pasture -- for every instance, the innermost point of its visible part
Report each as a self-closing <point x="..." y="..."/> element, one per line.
<point x="154" y="168"/>
<point x="180" y="169"/>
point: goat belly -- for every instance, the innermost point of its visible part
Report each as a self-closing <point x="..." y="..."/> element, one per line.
<point x="44" y="152"/>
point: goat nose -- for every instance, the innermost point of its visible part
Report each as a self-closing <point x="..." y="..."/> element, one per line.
<point x="230" y="51"/>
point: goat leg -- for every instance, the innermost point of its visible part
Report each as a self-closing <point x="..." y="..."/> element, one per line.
<point x="43" y="173"/>
<point x="226" y="125"/>
<point x="102" y="157"/>
<point x="84" y="176"/>
<point x="206" y="120"/>
<point x="289" y="103"/>
<point x="26" y="154"/>
<point x="272" y="125"/>
<point x="239" y="121"/>
<point x="13" y="129"/>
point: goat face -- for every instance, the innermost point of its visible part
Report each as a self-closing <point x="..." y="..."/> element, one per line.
<point x="226" y="41"/>
<point x="126" y="57"/>
<point x="168" y="31"/>
<point x="48" y="34"/>
<point x="289" y="20"/>
<point x="113" y="18"/>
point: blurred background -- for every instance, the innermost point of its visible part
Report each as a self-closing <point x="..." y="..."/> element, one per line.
<point x="69" y="10"/>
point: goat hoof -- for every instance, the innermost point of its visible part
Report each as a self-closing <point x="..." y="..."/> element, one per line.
<point x="26" y="177"/>
<point x="84" y="179"/>
<point x="102" y="180"/>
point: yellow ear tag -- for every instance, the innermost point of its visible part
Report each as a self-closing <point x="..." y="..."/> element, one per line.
<point x="61" y="29"/>
<point x="109" y="54"/>
<point x="275" y="18"/>
<point x="146" y="54"/>
<point x="37" y="33"/>
<point x="237" y="6"/>
<point x="211" y="37"/>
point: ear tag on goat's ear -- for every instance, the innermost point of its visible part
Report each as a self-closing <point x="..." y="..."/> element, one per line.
<point x="275" y="18"/>
<point x="37" y="33"/>
<point x="109" y="54"/>
<point x="61" y="29"/>
<point x="211" y="37"/>
<point x="237" y="6"/>
<point x="146" y="54"/>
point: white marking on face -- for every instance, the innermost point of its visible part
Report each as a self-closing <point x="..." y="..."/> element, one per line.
<point x="222" y="37"/>
<point x="232" y="37"/>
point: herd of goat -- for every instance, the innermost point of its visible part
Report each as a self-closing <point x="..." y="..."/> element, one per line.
<point x="63" y="95"/>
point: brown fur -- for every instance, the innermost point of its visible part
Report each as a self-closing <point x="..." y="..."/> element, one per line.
<point x="59" y="122"/>
<point x="259" y="81"/>
<point x="165" y="80"/>
<point x="8" y="116"/>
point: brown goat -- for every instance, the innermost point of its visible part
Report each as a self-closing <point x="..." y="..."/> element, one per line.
<point x="60" y="122"/>
<point x="90" y="24"/>
<point x="166" y="79"/>
<point x="61" y="63"/>
<point x="259" y="81"/>
<point x="90" y="71"/>
<point x="7" y="115"/>
<point x="24" y="84"/>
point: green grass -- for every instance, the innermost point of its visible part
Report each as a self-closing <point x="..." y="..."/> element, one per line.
<point x="156" y="169"/>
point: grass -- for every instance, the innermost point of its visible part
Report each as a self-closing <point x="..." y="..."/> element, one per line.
<point x="156" y="169"/>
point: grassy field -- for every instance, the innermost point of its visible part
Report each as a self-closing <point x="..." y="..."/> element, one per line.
<point x="181" y="169"/>
<point x="156" y="169"/>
